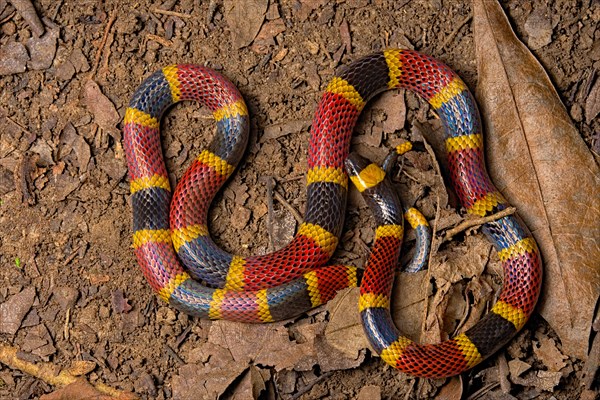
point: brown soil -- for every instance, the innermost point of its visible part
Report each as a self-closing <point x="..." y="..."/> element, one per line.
<point x="65" y="215"/>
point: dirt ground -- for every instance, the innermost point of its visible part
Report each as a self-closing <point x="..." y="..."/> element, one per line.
<point x="65" y="215"/>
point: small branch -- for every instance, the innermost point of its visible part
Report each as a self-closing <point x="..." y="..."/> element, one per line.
<point x="47" y="373"/>
<point x="287" y="205"/>
<point x="158" y="39"/>
<point x="307" y="388"/>
<point x="173" y="354"/>
<point x="171" y="13"/>
<point x="452" y="34"/>
<point x="21" y="127"/>
<point x="270" y="211"/>
<point x="469" y="223"/>
<point x="111" y="21"/>
<point x="66" y="326"/>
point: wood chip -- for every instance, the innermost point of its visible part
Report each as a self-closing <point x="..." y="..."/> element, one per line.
<point x="13" y="310"/>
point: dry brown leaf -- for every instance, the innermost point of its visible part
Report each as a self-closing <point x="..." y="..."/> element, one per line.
<point x="344" y="331"/>
<point x="331" y="359"/>
<point x="104" y="111"/>
<point x="369" y="392"/>
<point x="13" y="310"/>
<point x="211" y="370"/>
<point x="244" y="20"/>
<point x="409" y="298"/>
<point x="451" y="390"/>
<point x="592" y="103"/>
<point x="267" y="345"/>
<point x="250" y="386"/>
<point x="518" y="367"/>
<point x="74" y="148"/>
<point x="393" y="105"/>
<point x="542" y="380"/>
<point x="548" y="353"/>
<point x="540" y="163"/>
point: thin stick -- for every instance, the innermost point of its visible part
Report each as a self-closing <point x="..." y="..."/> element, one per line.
<point x="171" y="13"/>
<point x="270" y="211"/>
<point x="310" y="385"/>
<point x="66" y="326"/>
<point x="158" y="39"/>
<point x="455" y="32"/>
<point x="111" y="21"/>
<point x="469" y="223"/>
<point x="287" y="205"/>
<point x="21" y="127"/>
<point x="47" y="373"/>
<point x="173" y="354"/>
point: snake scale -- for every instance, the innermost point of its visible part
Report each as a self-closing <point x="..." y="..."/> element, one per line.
<point x="171" y="228"/>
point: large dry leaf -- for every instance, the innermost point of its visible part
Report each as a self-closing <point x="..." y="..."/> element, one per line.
<point x="539" y="162"/>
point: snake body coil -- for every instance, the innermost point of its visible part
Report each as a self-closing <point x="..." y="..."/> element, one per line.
<point x="287" y="282"/>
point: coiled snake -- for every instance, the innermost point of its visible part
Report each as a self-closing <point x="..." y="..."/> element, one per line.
<point x="283" y="284"/>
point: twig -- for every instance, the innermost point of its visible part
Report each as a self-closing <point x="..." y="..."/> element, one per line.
<point x="291" y="178"/>
<point x="503" y="372"/>
<point x="47" y="373"/>
<point x="469" y="223"/>
<point x="111" y="21"/>
<point x="158" y="39"/>
<point x="21" y="127"/>
<point x="66" y="327"/>
<point x="8" y="18"/>
<point x="481" y="392"/>
<point x="171" y="13"/>
<point x="183" y="335"/>
<point x="287" y="205"/>
<point x="306" y="388"/>
<point x="71" y="256"/>
<point x="106" y="53"/>
<point x="173" y="354"/>
<point x="270" y="211"/>
<point x="57" y="9"/>
<point x="455" y="32"/>
<point x="434" y="246"/>
<point x="409" y="176"/>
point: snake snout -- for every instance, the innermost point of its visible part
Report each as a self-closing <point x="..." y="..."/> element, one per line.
<point x="355" y="164"/>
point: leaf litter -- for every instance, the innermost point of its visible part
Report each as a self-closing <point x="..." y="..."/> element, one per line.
<point x="327" y="346"/>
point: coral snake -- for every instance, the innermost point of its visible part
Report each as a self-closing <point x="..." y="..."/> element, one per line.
<point x="170" y="229"/>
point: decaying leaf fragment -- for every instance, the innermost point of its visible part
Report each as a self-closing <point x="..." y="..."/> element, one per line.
<point x="539" y="162"/>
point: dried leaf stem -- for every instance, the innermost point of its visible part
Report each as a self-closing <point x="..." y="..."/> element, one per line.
<point x="469" y="223"/>
<point x="171" y="13"/>
<point x="111" y="21"/>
